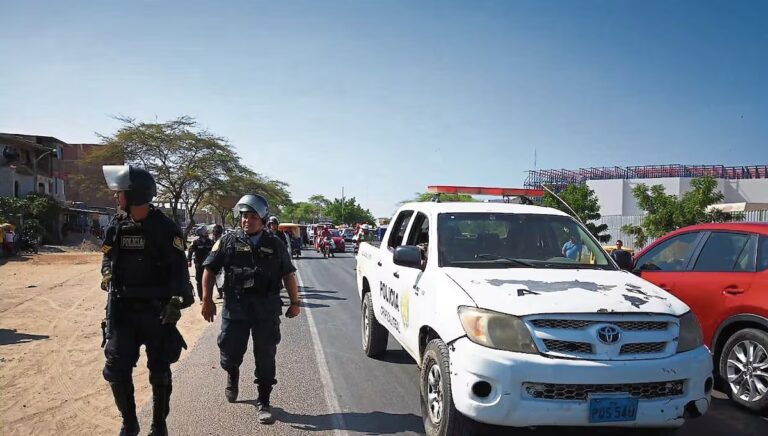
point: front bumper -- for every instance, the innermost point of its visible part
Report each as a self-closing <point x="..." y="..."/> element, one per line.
<point x="509" y="404"/>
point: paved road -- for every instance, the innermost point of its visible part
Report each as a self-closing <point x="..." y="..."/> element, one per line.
<point x="326" y="385"/>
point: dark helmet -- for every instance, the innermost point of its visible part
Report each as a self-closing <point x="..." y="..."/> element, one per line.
<point x="139" y="186"/>
<point x="273" y="220"/>
<point x="252" y="203"/>
<point x="217" y="230"/>
<point x="202" y="231"/>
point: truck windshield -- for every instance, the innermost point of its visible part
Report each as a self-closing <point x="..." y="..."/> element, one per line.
<point x="505" y="240"/>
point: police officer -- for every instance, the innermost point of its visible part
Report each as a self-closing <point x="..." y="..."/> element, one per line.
<point x="199" y="249"/>
<point x="273" y="224"/>
<point x="255" y="262"/>
<point x="148" y="283"/>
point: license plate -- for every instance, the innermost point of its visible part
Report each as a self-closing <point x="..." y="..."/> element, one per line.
<point x="612" y="409"/>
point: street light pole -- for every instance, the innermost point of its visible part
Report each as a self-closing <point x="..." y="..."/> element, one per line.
<point x="34" y="180"/>
<point x="342" y="205"/>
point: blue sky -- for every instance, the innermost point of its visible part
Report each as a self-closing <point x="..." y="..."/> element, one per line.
<point x="397" y="95"/>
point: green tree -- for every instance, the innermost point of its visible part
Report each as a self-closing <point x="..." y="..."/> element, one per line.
<point x="347" y="212"/>
<point x="445" y="198"/>
<point x="584" y="203"/>
<point x="186" y="161"/>
<point x="36" y="215"/>
<point x="301" y="212"/>
<point x="665" y="213"/>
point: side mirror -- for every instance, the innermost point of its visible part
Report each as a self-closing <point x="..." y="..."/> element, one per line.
<point x="408" y="256"/>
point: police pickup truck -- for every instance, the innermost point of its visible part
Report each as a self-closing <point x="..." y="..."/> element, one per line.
<point x="517" y="317"/>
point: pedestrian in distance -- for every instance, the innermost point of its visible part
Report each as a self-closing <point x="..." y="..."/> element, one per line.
<point x="621" y="256"/>
<point x="256" y="265"/>
<point x="145" y="275"/>
<point x="199" y="250"/>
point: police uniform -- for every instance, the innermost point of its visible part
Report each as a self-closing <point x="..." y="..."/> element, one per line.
<point x="200" y="249"/>
<point x="147" y="265"/>
<point x="253" y="271"/>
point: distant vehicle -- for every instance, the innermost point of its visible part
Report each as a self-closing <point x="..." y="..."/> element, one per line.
<point x="510" y="328"/>
<point x="348" y="234"/>
<point x="721" y="271"/>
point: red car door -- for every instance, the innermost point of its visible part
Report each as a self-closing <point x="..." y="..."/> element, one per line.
<point x="719" y="280"/>
<point x="664" y="263"/>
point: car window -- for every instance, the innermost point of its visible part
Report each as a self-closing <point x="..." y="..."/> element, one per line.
<point x="505" y="240"/>
<point x="762" y="254"/>
<point x="670" y="255"/>
<point x="398" y="230"/>
<point x="722" y="251"/>
<point x="419" y="234"/>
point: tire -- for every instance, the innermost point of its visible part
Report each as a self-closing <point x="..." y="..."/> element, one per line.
<point x="437" y="408"/>
<point x="739" y="345"/>
<point x="375" y="336"/>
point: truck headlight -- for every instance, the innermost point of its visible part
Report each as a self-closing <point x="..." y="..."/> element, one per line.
<point x="690" y="333"/>
<point x="496" y="330"/>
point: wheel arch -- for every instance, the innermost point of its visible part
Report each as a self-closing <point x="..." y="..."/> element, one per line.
<point x="426" y="334"/>
<point x="733" y="324"/>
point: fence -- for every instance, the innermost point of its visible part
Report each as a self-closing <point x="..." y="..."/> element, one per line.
<point x="615" y="222"/>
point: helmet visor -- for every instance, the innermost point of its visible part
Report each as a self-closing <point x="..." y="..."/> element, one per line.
<point x="251" y="203"/>
<point x="118" y="177"/>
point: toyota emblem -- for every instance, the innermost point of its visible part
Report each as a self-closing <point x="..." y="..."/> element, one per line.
<point x="608" y="334"/>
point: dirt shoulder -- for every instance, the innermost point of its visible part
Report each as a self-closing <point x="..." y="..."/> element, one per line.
<point x="51" y="307"/>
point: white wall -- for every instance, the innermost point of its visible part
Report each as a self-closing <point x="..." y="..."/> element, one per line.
<point x="615" y="196"/>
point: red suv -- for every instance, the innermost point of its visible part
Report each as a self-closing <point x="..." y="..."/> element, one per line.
<point x="720" y="270"/>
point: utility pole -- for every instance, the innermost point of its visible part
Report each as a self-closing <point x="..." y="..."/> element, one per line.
<point x="342" y="205"/>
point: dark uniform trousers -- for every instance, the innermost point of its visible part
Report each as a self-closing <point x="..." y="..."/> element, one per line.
<point x="260" y="319"/>
<point x="138" y="324"/>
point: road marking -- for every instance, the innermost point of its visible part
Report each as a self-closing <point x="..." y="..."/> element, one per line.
<point x="325" y="375"/>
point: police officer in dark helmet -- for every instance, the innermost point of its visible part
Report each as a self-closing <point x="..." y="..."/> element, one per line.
<point x="255" y="264"/>
<point x="273" y="223"/>
<point x="199" y="249"/>
<point x="146" y="275"/>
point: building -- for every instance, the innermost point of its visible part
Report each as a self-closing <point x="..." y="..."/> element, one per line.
<point x="83" y="180"/>
<point x="613" y="187"/>
<point x="31" y="163"/>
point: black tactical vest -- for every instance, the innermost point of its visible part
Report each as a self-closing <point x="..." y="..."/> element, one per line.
<point x="201" y="249"/>
<point x="252" y="270"/>
<point x="141" y="270"/>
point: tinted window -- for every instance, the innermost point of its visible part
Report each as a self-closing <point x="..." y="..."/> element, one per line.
<point x="398" y="230"/>
<point x="419" y="231"/>
<point x="722" y="251"/>
<point x="670" y="255"/>
<point x="504" y="240"/>
<point x="762" y="254"/>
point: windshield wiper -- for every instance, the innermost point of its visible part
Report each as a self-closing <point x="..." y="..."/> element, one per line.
<point x="506" y="259"/>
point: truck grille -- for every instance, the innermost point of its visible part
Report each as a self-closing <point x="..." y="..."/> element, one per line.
<point x="643" y="348"/>
<point x="577" y="324"/>
<point x="568" y="347"/>
<point x="565" y="392"/>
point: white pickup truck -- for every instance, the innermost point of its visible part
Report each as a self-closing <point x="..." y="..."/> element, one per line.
<point x="516" y="317"/>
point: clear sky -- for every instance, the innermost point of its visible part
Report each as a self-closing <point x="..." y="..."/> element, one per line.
<point x="387" y="97"/>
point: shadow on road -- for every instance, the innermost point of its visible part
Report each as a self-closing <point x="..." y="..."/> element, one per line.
<point x="396" y="356"/>
<point x="11" y="336"/>
<point x="368" y="423"/>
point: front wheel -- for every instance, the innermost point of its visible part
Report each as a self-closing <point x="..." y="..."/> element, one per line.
<point x="375" y="336"/>
<point x="437" y="407"/>
<point x="744" y="367"/>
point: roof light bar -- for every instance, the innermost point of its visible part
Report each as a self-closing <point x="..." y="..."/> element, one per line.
<point x="480" y="190"/>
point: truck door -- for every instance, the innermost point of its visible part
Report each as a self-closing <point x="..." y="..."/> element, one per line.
<point x="386" y="298"/>
<point x="414" y="301"/>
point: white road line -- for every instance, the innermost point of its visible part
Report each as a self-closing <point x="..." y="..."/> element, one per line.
<point x="325" y="375"/>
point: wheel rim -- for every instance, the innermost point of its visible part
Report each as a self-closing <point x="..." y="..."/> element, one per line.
<point x="435" y="393"/>
<point x="747" y="371"/>
<point x="366" y="324"/>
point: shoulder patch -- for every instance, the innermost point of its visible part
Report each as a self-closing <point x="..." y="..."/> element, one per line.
<point x="178" y="243"/>
<point x="216" y="246"/>
<point x="105" y="248"/>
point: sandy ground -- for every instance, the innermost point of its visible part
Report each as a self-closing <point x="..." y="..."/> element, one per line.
<point x="51" y="307"/>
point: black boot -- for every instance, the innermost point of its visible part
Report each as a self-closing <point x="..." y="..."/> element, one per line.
<point x="123" y="393"/>
<point x="262" y="405"/>
<point x="233" y="380"/>
<point x="161" y="401"/>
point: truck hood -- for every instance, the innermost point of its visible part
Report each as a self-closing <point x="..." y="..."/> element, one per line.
<point x="527" y="291"/>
